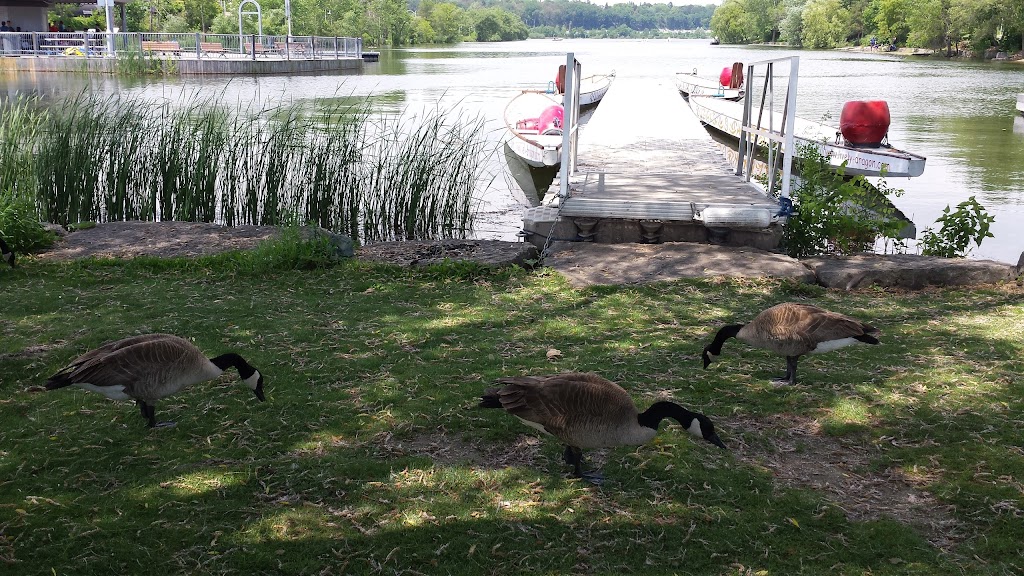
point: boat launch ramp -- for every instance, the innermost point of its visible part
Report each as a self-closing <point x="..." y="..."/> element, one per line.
<point x="647" y="171"/>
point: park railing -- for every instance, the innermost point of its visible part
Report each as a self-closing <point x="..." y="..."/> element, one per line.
<point x="196" y="45"/>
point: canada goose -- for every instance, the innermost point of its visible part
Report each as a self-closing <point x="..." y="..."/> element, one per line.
<point x="588" y="411"/>
<point x="792" y="330"/>
<point x="6" y="253"/>
<point x="149" y="367"/>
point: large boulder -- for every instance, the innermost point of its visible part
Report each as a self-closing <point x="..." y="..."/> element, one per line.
<point x="906" y="271"/>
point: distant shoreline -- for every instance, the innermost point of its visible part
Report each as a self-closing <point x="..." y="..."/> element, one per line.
<point x="907" y="51"/>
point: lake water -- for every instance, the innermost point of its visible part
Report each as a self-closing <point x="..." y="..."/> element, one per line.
<point x="959" y="114"/>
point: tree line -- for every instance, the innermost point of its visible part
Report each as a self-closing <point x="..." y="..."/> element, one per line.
<point x="405" y="22"/>
<point x="950" y="25"/>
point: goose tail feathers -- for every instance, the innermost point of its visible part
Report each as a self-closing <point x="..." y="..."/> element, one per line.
<point x="867" y="338"/>
<point x="60" y="379"/>
<point x="490" y="399"/>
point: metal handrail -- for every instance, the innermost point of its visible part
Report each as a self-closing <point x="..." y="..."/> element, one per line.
<point x="570" y="131"/>
<point x="750" y="131"/>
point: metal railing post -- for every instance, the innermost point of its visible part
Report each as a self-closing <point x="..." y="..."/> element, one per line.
<point x="570" y="113"/>
<point x="787" y="163"/>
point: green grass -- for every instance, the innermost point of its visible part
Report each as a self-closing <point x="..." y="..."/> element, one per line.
<point x="369" y="455"/>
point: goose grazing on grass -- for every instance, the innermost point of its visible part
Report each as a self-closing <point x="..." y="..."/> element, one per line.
<point x="588" y="411"/>
<point x="6" y="253"/>
<point x="147" y="368"/>
<point x="792" y="330"/>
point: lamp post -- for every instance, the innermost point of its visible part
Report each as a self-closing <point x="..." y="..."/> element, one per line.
<point x="108" y="14"/>
<point x="288" y="15"/>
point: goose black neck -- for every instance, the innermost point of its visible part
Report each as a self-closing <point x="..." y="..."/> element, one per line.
<point x="724" y="334"/>
<point x="225" y="361"/>
<point x="658" y="411"/>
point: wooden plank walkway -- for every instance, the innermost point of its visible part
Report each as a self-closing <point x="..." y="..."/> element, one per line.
<point x="661" y="157"/>
<point x="644" y="156"/>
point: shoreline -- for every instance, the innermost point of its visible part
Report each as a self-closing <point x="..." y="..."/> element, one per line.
<point x="928" y="52"/>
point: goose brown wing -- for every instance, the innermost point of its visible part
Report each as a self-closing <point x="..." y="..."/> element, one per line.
<point x="564" y="401"/>
<point x="834" y="326"/>
<point x="116" y="345"/>
<point x="133" y="364"/>
<point x="794" y="329"/>
<point x="524" y="397"/>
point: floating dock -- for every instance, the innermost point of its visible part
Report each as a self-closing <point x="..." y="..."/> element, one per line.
<point x="649" y="172"/>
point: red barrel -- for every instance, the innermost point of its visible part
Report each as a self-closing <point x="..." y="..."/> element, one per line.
<point x="864" y="121"/>
<point x="725" y="77"/>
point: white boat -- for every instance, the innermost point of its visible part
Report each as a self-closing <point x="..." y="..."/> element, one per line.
<point x="534" y="123"/>
<point x="867" y="160"/>
<point x="593" y="88"/>
<point x="1020" y="103"/>
<point x="693" y="85"/>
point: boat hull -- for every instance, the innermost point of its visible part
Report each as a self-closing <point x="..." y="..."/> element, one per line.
<point x="538" y="150"/>
<point x="593" y="88"/>
<point x="693" y="85"/>
<point x="1020" y="103"/>
<point x="726" y="117"/>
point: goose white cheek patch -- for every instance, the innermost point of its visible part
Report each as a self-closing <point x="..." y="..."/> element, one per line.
<point x="695" y="429"/>
<point x="253" y="381"/>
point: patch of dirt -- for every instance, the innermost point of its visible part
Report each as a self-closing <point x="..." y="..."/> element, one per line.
<point x="33" y="351"/>
<point x="448" y="449"/>
<point x="160" y="239"/>
<point x="191" y="239"/>
<point x="417" y="253"/>
<point x="798" y="455"/>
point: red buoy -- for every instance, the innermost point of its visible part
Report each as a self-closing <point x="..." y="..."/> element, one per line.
<point x="725" y="77"/>
<point x="864" y="121"/>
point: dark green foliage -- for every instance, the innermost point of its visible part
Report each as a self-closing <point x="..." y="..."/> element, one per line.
<point x="969" y="223"/>
<point x="837" y="215"/>
<point x="19" y="224"/>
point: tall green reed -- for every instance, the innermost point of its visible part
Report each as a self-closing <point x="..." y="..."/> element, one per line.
<point x="335" y="165"/>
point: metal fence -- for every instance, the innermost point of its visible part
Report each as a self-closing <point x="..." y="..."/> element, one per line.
<point x="189" y="45"/>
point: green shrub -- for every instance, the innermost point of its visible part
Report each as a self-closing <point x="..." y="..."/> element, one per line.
<point x="19" y="224"/>
<point x="968" y="223"/>
<point x="835" y="214"/>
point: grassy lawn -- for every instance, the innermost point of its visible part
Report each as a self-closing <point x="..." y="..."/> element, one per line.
<point x="370" y="456"/>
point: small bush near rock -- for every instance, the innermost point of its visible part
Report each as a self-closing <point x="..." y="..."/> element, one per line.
<point x="836" y="215"/>
<point x="969" y="223"/>
<point x="20" y="226"/>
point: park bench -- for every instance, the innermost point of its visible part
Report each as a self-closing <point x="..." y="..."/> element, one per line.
<point x="163" y="47"/>
<point x="292" y="48"/>
<point x="212" y="48"/>
<point x="256" y="48"/>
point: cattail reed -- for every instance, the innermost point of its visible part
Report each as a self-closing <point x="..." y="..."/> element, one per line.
<point x="334" y="165"/>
